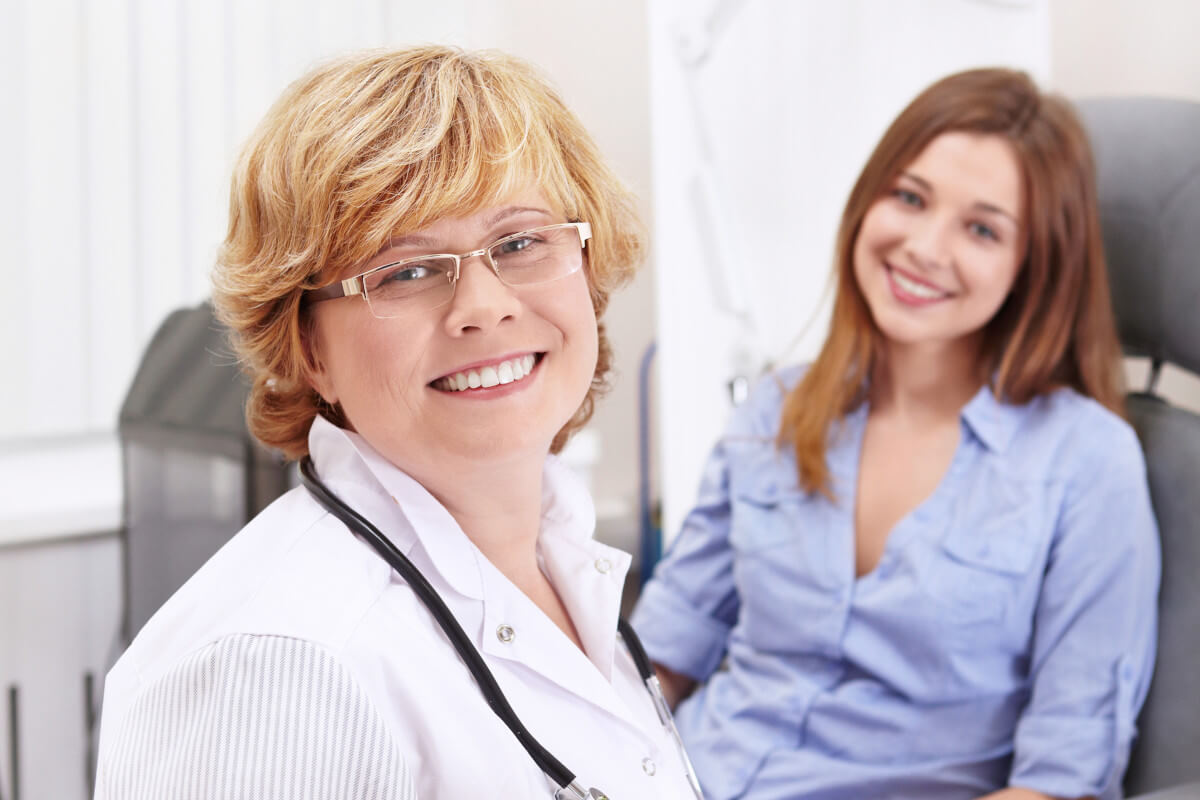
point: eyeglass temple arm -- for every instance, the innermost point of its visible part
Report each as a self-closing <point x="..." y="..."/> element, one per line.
<point x="584" y="229"/>
<point x="345" y="288"/>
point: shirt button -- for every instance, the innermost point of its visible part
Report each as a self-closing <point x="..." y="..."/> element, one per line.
<point x="506" y="634"/>
<point x="649" y="767"/>
<point x="603" y="565"/>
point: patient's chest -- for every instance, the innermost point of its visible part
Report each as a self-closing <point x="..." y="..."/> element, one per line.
<point x="949" y="602"/>
<point x="898" y="470"/>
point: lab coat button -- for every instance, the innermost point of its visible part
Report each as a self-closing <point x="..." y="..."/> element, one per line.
<point x="603" y="565"/>
<point x="506" y="634"/>
<point x="648" y="766"/>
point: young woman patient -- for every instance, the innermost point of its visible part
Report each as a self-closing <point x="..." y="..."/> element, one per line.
<point x="928" y="560"/>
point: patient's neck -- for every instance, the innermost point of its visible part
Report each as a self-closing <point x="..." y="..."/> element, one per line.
<point x="926" y="382"/>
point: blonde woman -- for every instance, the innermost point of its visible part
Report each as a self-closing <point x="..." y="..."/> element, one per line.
<point x="421" y="244"/>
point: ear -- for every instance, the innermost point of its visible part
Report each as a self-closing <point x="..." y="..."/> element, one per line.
<point x="315" y="373"/>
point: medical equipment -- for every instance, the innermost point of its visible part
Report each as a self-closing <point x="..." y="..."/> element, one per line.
<point x="568" y="787"/>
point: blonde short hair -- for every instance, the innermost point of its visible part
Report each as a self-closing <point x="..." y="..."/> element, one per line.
<point x="381" y="143"/>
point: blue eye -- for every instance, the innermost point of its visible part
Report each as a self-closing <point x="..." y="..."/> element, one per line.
<point x="408" y="277"/>
<point x="412" y="272"/>
<point x="982" y="231"/>
<point x="516" y="245"/>
<point x="908" y="198"/>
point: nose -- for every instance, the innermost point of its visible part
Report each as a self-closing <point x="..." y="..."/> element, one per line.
<point x="929" y="242"/>
<point x="481" y="300"/>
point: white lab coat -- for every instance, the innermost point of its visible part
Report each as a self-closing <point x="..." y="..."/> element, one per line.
<point x="314" y="622"/>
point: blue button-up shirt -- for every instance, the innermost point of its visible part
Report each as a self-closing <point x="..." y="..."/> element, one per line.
<point x="1006" y="636"/>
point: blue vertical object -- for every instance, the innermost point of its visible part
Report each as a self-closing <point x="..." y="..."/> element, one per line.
<point x="651" y="531"/>
<point x="14" y="748"/>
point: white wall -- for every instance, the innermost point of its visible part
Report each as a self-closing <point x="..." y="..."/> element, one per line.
<point x="1111" y="47"/>
<point x="128" y="116"/>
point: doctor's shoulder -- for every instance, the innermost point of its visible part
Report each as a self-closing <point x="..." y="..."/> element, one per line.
<point x="249" y="713"/>
<point x="241" y="675"/>
<point x="278" y="575"/>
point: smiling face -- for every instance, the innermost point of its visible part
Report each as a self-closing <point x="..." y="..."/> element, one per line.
<point x="938" y="253"/>
<point x="526" y="355"/>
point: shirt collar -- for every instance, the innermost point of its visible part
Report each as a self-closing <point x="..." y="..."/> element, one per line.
<point x="991" y="421"/>
<point x="843" y="448"/>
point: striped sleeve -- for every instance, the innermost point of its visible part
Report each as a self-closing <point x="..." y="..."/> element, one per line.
<point x="253" y="718"/>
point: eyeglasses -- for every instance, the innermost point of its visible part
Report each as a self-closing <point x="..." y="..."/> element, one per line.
<point x="422" y="283"/>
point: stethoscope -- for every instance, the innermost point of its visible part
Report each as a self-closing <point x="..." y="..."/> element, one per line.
<point x="559" y="775"/>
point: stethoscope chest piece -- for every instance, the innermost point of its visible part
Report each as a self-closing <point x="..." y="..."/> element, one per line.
<point x="573" y="791"/>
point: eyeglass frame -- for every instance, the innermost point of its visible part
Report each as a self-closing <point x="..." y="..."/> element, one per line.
<point x="357" y="284"/>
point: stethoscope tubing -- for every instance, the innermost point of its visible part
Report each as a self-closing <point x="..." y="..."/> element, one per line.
<point x="551" y="766"/>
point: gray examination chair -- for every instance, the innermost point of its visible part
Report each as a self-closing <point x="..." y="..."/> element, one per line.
<point x="1148" y="164"/>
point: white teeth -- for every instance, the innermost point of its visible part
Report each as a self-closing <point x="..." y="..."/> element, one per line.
<point x="916" y="289"/>
<point x="497" y="375"/>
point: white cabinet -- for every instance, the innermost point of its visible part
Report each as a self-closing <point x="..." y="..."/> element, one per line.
<point x="60" y="604"/>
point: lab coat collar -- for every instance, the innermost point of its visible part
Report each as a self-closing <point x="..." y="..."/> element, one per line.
<point x="412" y="516"/>
<point x="568" y="513"/>
<point x="341" y="467"/>
<point x="587" y="575"/>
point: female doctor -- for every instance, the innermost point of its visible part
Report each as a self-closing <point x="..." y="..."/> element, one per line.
<point x="420" y="245"/>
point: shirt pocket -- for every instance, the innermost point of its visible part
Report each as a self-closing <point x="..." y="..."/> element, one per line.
<point x="783" y="568"/>
<point x="977" y="571"/>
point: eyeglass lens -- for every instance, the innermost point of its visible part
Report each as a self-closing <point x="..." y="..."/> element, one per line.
<point x="530" y="257"/>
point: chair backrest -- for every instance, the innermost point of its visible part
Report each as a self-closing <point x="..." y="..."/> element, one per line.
<point x="1148" y="167"/>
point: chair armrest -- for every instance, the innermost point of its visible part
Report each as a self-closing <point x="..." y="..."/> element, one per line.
<point x="1187" y="791"/>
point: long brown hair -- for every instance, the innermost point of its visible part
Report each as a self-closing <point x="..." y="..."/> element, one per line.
<point x="1056" y="327"/>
